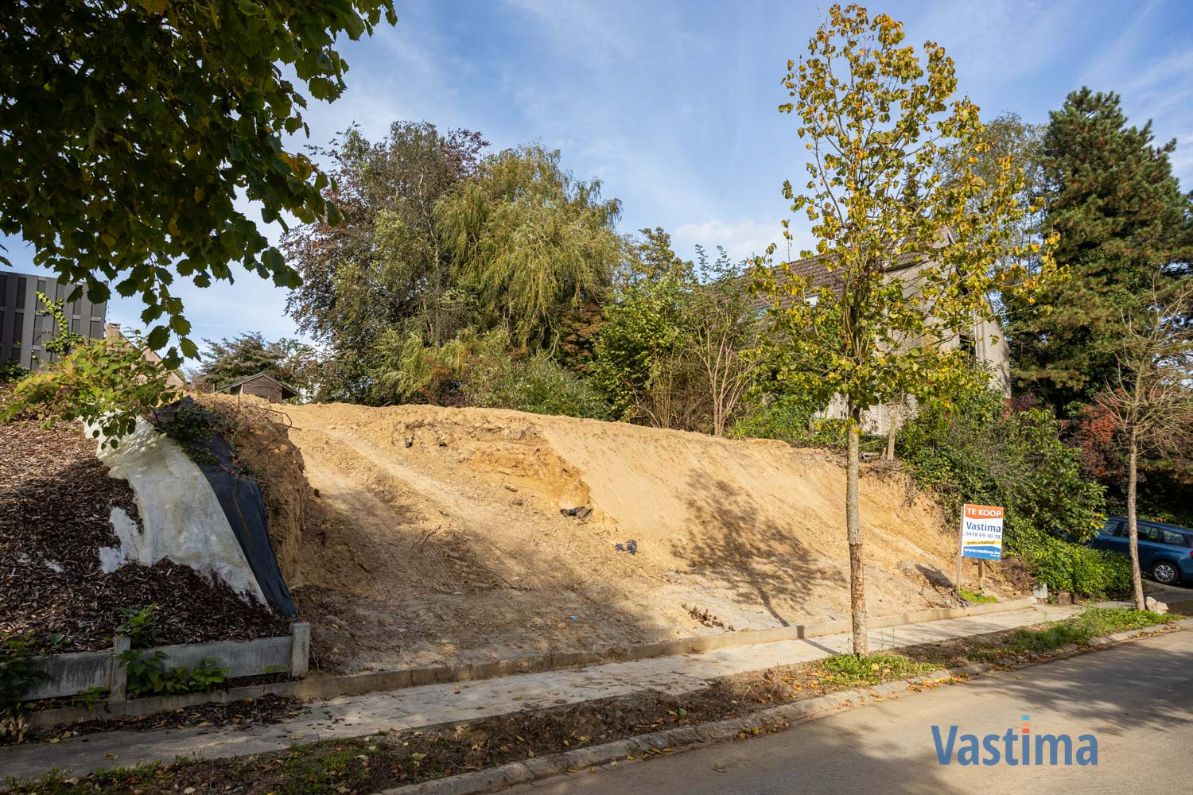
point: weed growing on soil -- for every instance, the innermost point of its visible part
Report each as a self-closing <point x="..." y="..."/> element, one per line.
<point x="976" y="598"/>
<point x="1095" y="622"/>
<point x="148" y="675"/>
<point x="846" y="670"/>
<point x="17" y="676"/>
<point x="140" y="625"/>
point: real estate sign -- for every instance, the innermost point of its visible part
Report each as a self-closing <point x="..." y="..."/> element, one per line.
<point x="981" y="532"/>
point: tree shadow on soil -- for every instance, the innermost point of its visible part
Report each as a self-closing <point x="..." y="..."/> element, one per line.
<point x="759" y="560"/>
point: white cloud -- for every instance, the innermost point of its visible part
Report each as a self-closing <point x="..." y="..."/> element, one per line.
<point x="742" y="239"/>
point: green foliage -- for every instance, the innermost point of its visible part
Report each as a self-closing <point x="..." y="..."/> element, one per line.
<point x="180" y="111"/>
<point x="440" y="244"/>
<point x="106" y="384"/>
<point x="11" y="371"/>
<point x="1067" y="566"/>
<point x="248" y="354"/>
<point x="481" y="371"/>
<point x="674" y="347"/>
<point x="1095" y="622"/>
<point x="849" y="670"/>
<point x="639" y="359"/>
<point x="140" y="625"/>
<point x="383" y="267"/>
<point x="537" y="384"/>
<point x="792" y="419"/>
<point x="89" y="698"/>
<point x="1110" y="195"/>
<point x="976" y="598"/>
<point x="148" y="675"/>
<point x="65" y="339"/>
<point x="885" y="191"/>
<point x="17" y="677"/>
<point x="980" y="453"/>
<point x="784" y="417"/>
<point x="529" y="242"/>
<point x="188" y="423"/>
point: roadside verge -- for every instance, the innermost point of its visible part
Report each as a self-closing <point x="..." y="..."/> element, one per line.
<point x="318" y="688"/>
<point x="766" y="721"/>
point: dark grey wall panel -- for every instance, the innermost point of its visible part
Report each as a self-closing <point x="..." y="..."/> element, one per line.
<point x="24" y="330"/>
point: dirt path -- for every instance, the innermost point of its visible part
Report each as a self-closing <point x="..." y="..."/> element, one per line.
<point x="436" y="534"/>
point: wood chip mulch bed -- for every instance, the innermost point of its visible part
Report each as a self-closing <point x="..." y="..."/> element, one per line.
<point x="267" y="709"/>
<point x="55" y="502"/>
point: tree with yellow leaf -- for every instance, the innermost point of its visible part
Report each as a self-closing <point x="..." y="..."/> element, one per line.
<point x="914" y="251"/>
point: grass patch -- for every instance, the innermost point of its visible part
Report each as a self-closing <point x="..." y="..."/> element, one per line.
<point x="1095" y="622"/>
<point x="976" y="597"/>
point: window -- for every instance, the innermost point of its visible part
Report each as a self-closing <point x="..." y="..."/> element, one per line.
<point x="1148" y="533"/>
<point x="1116" y="527"/>
<point x="1173" y="538"/>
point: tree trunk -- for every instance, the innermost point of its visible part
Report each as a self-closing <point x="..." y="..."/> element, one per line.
<point x="890" y="442"/>
<point x="1133" y="521"/>
<point x="853" y="525"/>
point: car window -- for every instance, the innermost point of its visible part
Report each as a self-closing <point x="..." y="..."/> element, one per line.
<point x="1147" y="533"/>
<point x="1174" y="538"/>
<point x="1115" y="527"/>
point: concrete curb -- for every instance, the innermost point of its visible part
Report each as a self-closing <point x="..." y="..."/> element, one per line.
<point x="316" y="688"/>
<point x="689" y="737"/>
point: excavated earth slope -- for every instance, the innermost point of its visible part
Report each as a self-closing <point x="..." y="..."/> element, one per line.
<point x="432" y="534"/>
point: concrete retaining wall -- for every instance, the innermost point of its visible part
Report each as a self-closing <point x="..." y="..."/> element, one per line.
<point x="72" y="673"/>
<point x="77" y="672"/>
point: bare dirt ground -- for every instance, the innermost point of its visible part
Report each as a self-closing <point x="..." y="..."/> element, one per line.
<point x="431" y="534"/>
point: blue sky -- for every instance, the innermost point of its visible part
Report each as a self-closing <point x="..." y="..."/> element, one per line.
<point x="672" y="103"/>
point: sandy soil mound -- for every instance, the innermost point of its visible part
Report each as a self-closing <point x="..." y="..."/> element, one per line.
<point x="435" y="534"/>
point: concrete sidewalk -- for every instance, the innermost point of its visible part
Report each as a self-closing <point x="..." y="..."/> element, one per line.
<point x="354" y="716"/>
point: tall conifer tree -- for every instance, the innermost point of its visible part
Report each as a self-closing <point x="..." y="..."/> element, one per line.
<point x="1110" y="195"/>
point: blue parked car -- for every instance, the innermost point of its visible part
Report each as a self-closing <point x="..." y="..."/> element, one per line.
<point x="1165" y="550"/>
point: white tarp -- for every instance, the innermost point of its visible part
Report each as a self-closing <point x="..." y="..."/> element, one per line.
<point x="181" y="518"/>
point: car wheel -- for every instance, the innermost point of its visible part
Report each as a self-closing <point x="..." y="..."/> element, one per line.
<point x="1165" y="572"/>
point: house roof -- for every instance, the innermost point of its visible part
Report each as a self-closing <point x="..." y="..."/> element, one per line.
<point x="816" y="271"/>
<point x="257" y="376"/>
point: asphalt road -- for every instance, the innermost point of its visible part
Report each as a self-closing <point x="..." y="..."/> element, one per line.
<point x="1137" y="699"/>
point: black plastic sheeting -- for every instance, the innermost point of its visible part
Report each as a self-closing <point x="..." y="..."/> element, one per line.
<point x="241" y="499"/>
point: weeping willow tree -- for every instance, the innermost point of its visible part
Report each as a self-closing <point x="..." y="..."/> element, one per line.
<point x="529" y="242"/>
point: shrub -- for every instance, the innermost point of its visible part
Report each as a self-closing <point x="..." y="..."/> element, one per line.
<point x="482" y="370"/>
<point x="1066" y="566"/>
<point x="140" y="625"/>
<point x="784" y="417"/>
<point x="536" y="384"/>
<point x="11" y="371"/>
<point x="148" y="675"/>
<point x="106" y="384"/>
<point x="17" y="676"/>
<point x="978" y="452"/>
